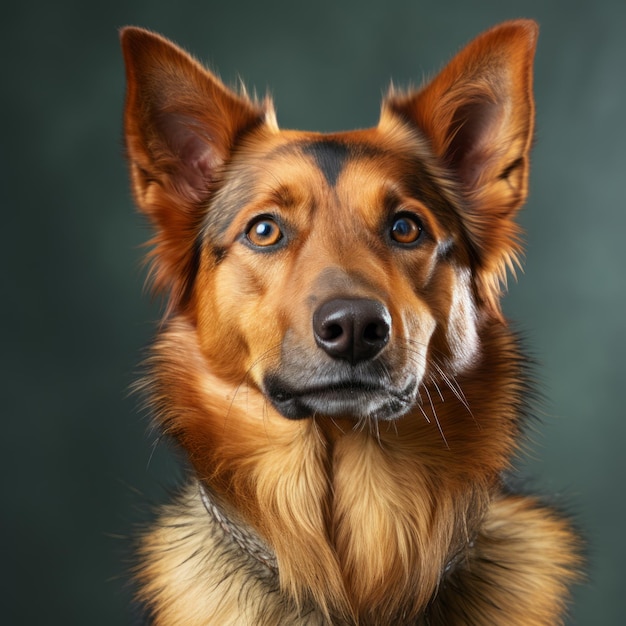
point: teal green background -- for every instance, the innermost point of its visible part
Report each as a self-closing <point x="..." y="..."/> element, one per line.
<point x="77" y="454"/>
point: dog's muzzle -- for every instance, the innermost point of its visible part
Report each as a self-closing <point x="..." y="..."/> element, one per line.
<point x="348" y="377"/>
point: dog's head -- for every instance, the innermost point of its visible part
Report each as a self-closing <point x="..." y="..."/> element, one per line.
<point x="336" y="273"/>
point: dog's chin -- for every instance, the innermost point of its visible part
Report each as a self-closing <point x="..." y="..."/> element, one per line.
<point x="350" y="400"/>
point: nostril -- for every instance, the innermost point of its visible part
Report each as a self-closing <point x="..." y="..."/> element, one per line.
<point x="331" y="331"/>
<point x="376" y="331"/>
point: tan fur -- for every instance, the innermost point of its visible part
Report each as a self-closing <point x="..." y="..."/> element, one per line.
<point x="371" y="521"/>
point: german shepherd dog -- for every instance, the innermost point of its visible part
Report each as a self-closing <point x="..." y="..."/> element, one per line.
<point x="334" y="360"/>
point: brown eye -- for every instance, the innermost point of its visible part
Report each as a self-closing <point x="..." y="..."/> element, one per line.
<point x="264" y="232"/>
<point x="406" y="229"/>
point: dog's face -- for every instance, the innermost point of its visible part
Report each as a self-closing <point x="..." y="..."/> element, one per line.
<point x="333" y="264"/>
<point x="337" y="274"/>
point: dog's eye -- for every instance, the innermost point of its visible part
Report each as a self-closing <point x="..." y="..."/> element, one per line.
<point x="406" y="229"/>
<point x="264" y="232"/>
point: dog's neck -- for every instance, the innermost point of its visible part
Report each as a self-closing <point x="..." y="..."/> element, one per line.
<point x="251" y="543"/>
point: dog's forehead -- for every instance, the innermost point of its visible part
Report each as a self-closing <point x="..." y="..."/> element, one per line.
<point x="296" y="164"/>
<point x="330" y="154"/>
<point x="353" y="167"/>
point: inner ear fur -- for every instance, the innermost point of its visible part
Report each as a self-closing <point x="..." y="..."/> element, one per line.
<point x="181" y="125"/>
<point x="478" y="115"/>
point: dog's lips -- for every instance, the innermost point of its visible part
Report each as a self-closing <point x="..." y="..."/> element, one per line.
<point x="349" y="398"/>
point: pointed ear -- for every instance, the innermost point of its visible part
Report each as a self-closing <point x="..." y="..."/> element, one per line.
<point x="478" y="115"/>
<point x="181" y="125"/>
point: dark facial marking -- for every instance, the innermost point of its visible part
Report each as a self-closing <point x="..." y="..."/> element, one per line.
<point x="329" y="156"/>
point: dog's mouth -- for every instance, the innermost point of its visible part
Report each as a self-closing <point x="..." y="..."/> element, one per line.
<point x="356" y="398"/>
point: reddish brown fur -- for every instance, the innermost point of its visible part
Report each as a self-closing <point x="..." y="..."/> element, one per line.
<point x="399" y="521"/>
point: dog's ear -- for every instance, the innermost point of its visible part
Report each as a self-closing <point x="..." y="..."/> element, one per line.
<point x="478" y="114"/>
<point x="181" y="125"/>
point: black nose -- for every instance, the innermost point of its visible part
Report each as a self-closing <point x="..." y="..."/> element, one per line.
<point x="355" y="329"/>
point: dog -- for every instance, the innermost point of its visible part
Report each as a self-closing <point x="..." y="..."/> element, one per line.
<point x="334" y="361"/>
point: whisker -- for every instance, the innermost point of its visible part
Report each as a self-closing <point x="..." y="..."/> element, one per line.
<point x="452" y="384"/>
<point x="421" y="408"/>
<point x="434" y="383"/>
<point x="456" y="389"/>
<point x="432" y="406"/>
<point x="395" y="427"/>
<point x="449" y="380"/>
<point x="341" y="430"/>
<point x="421" y="405"/>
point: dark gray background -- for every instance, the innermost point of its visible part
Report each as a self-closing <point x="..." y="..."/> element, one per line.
<point x="74" y="448"/>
